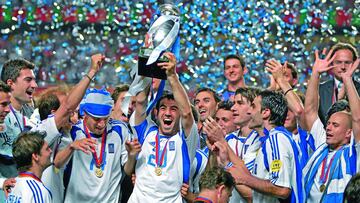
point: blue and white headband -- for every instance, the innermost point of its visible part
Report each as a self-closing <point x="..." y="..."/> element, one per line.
<point x="98" y="103"/>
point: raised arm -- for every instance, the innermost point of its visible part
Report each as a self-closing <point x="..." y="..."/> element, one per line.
<point x="294" y="102"/>
<point x="312" y="94"/>
<point x="179" y="92"/>
<point x="141" y="103"/>
<point x="75" y="96"/>
<point x="353" y="97"/>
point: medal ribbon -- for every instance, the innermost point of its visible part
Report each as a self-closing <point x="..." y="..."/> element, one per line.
<point x="157" y="150"/>
<point x="29" y="174"/>
<point x="98" y="161"/>
<point x="324" y="174"/>
<point x="203" y="199"/>
<point x="17" y="120"/>
<point x="236" y="148"/>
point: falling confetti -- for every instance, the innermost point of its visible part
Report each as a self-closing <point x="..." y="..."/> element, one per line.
<point x="60" y="39"/>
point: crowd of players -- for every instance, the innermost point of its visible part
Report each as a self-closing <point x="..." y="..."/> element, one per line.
<point x="244" y="144"/>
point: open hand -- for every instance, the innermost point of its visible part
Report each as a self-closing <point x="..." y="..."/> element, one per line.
<point x="322" y="65"/>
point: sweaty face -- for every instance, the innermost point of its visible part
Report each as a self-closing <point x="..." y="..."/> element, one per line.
<point x="241" y="110"/>
<point x="290" y="122"/>
<point x="338" y="130"/>
<point x="96" y="125"/>
<point x="24" y="86"/>
<point x="205" y="104"/>
<point x="256" y="120"/>
<point x="44" y="157"/>
<point x="342" y="61"/>
<point x="225" y="119"/>
<point x="168" y="117"/>
<point x="4" y="105"/>
<point x="233" y="71"/>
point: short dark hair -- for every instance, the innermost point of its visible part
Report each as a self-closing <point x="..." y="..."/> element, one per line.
<point x="207" y="89"/>
<point x="165" y="95"/>
<point x="248" y="92"/>
<point x="233" y="56"/>
<point x="276" y="103"/>
<point x="11" y="68"/>
<point x="4" y="87"/>
<point x="215" y="177"/>
<point x="119" y="89"/>
<point x="347" y="46"/>
<point x="294" y="72"/>
<point x="340" y="105"/>
<point x="352" y="190"/>
<point x="46" y="104"/>
<point x="225" y="105"/>
<point x="24" y="146"/>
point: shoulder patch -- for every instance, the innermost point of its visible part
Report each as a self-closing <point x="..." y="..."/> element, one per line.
<point x="275" y="166"/>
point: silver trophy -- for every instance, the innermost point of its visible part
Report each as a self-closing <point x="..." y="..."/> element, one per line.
<point x="161" y="37"/>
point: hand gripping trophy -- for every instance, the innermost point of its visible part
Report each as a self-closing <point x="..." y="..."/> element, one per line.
<point x="161" y="37"/>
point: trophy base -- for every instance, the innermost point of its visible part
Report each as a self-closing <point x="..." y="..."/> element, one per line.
<point x="152" y="70"/>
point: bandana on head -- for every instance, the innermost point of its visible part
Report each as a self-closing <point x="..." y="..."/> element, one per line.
<point x="98" y="103"/>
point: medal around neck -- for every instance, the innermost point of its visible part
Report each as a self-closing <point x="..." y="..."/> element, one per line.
<point x="162" y="35"/>
<point x="158" y="171"/>
<point x="98" y="172"/>
<point x="322" y="188"/>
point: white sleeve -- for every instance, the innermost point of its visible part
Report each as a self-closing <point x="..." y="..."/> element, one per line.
<point x="124" y="152"/>
<point x="318" y="132"/>
<point x="49" y="126"/>
<point x="279" y="156"/>
<point x="192" y="142"/>
<point x="2" y="180"/>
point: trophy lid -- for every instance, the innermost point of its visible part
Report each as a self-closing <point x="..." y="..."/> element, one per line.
<point x="169" y="9"/>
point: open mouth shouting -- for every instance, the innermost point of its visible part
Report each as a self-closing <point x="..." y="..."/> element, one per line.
<point x="29" y="92"/>
<point x="167" y="122"/>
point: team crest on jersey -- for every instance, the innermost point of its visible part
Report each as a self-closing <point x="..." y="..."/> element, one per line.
<point x="111" y="148"/>
<point x="172" y="146"/>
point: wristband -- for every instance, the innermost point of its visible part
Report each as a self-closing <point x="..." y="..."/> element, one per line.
<point x="86" y="75"/>
<point x="287" y="91"/>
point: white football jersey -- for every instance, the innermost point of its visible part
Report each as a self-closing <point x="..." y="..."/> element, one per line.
<point x="84" y="185"/>
<point x="15" y="123"/>
<point x="29" y="190"/>
<point x="53" y="177"/>
<point x="175" y="169"/>
<point x="341" y="165"/>
<point x="197" y="169"/>
<point x="246" y="148"/>
<point x="277" y="162"/>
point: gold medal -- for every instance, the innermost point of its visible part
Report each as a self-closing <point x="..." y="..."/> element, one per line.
<point x="98" y="172"/>
<point x="158" y="171"/>
<point x="322" y="188"/>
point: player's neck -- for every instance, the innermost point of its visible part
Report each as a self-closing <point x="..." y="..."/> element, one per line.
<point x="235" y="85"/>
<point x="15" y="104"/>
<point x="36" y="170"/>
<point x="245" y="131"/>
<point x="294" y="131"/>
<point x="268" y="125"/>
